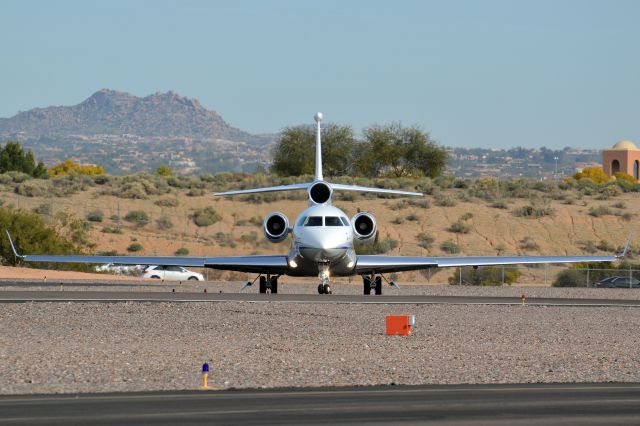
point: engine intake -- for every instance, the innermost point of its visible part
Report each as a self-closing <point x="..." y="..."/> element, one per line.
<point x="276" y="227"/>
<point x="320" y="192"/>
<point x="364" y="226"/>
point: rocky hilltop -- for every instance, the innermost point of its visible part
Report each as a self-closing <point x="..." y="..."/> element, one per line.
<point x="116" y="130"/>
<point x="112" y="112"/>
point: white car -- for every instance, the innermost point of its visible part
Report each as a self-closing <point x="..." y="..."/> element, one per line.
<point x="171" y="273"/>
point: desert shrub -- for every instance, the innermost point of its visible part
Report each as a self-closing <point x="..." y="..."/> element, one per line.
<point x="135" y="247"/>
<point x="609" y="191"/>
<point x="604" y="245"/>
<point x="101" y="179"/>
<point x="69" y="166"/>
<point x="63" y="186"/>
<point x="196" y="192"/>
<point x="398" y="220"/>
<point x="588" y="246"/>
<point x="95" y="216"/>
<point x="459" y="227"/>
<point x="137" y="217"/>
<point x="112" y="230"/>
<point x="571" y="278"/>
<point x="450" y="247"/>
<point x="466" y="216"/>
<point x="251" y="237"/>
<point x="444" y="200"/>
<point x="5" y="179"/>
<point x="400" y="205"/>
<point x="33" y="188"/>
<point x="619" y="205"/>
<point x="532" y="211"/>
<point x="206" y="216"/>
<point x="166" y="202"/>
<point x="164" y="222"/>
<point x="499" y="205"/>
<point x="484" y="276"/>
<point x="599" y="211"/>
<point x="627" y="216"/>
<point x="182" y="251"/>
<point x="225" y="239"/>
<point x="527" y="243"/>
<point x="625" y="177"/>
<point x="425" y="240"/>
<point x="164" y="170"/>
<point x="18" y="177"/>
<point x="412" y="217"/>
<point x="377" y="247"/>
<point x="133" y="190"/>
<point x="44" y="209"/>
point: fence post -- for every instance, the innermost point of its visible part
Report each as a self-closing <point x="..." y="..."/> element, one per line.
<point x="588" y="285"/>
<point x="503" y="276"/>
<point x="460" y="275"/>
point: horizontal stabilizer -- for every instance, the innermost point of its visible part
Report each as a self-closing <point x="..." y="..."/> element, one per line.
<point x="342" y="187"/>
<point x="292" y="187"/>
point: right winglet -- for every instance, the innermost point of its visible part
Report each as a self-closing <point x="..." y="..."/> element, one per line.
<point x="625" y="250"/>
<point x="13" y="247"/>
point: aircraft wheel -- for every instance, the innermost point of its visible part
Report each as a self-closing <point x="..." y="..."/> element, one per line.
<point x="326" y="289"/>
<point x="366" y="285"/>
<point x="320" y="289"/>
<point x="263" y="285"/>
<point x="378" y="285"/>
<point x="274" y="285"/>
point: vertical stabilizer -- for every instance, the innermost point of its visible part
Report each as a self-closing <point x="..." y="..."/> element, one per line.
<point x="318" y="118"/>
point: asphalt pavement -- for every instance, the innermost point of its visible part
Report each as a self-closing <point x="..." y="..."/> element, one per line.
<point x="520" y="404"/>
<point x="168" y="296"/>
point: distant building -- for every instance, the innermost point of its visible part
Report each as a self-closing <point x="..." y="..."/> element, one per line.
<point x="623" y="157"/>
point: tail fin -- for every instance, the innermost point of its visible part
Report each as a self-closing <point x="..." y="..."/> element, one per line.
<point x="318" y="118"/>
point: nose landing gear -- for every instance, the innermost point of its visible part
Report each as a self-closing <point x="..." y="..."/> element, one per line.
<point x="323" y="287"/>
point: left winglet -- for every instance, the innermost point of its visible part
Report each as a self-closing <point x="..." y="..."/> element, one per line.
<point x="624" y="252"/>
<point x="13" y="247"/>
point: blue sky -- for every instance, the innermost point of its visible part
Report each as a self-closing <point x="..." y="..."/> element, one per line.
<point x="473" y="73"/>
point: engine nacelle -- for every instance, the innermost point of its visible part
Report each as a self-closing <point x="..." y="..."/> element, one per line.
<point x="364" y="226"/>
<point x="320" y="192"/>
<point x="276" y="227"/>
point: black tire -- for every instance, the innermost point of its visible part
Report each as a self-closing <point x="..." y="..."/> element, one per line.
<point x="155" y="277"/>
<point x="378" y="285"/>
<point x="326" y="289"/>
<point x="320" y="289"/>
<point x="274" y="285"/>
<point x="193" y="278"/>
<point x="366" y="285"/>
<point x="263" y="285"/>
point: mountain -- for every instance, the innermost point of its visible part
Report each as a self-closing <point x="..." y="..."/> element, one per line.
<point x="125" y="133"/>
<point x="115" y="113"/>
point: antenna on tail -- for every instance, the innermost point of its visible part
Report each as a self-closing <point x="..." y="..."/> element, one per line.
<point x="318" y="118"/>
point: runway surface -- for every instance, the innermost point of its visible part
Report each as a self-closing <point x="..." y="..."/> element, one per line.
<point x="163" y="297"/>
<point x="526" y="404"/>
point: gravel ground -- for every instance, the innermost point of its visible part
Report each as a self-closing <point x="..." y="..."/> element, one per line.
<point x="95" y="347"/>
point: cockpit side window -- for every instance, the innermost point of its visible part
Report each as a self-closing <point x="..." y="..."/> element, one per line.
<point x="313" y="221"/>
<point x="332" y="221"/>
<point x="301" y="220"/>
<point x="345" y="221"/>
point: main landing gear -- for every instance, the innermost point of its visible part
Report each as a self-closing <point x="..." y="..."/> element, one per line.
<point x="372" y="282"/>
<point x="267" y="284"/>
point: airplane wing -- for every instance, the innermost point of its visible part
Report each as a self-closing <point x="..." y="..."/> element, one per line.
<point x="381" y="264"/>
<point x="259" y="264"/>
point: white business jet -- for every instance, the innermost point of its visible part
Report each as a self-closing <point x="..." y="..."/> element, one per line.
<point x="322" y="239"/>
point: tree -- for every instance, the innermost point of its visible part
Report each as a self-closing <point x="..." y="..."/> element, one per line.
<point x="164" y="170"/>
<point x="295" y="150"/>
<point x="399" y="151"/>
<point x="14" y="158"/>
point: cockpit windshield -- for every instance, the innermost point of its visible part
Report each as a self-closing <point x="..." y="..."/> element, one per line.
<point x="332" y="221"/>
<point x="313" y="221"/>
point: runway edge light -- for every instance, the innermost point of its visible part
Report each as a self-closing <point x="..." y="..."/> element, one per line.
<point x="205" y="375"/>
<point x="400" y="325"/>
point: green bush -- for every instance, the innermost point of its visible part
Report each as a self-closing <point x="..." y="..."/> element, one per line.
<point x="135" y="247"/>
<point x="600" y="211"/>
<point x="485" y="276"/>
<point x="167" y="202"/>
<point x="137" y="217"/>
<point x="459" y="227"/>
<point x="164" y="222"/>
<point x="528" y="244"/>
<point x="499" y="205"/>
<point x="182" y="251"/>
<point x="43" y="209"/>
<point x="112" y="230"/>
<point x="534" y="211"/>
<point x="450" y="247"/>
<point x="571" y="278"/>
<point x="95" y="216"/>
<point x="206" y="216"/>
<point x="425" y="240"/>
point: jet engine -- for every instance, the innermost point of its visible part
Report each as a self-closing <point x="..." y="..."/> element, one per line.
<point x="276" y="227"/>
<point x="320" y="192"/>
<point x="364" y="226"/>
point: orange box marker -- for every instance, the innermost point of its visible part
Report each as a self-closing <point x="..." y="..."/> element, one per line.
<point x="400" y="325"/>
